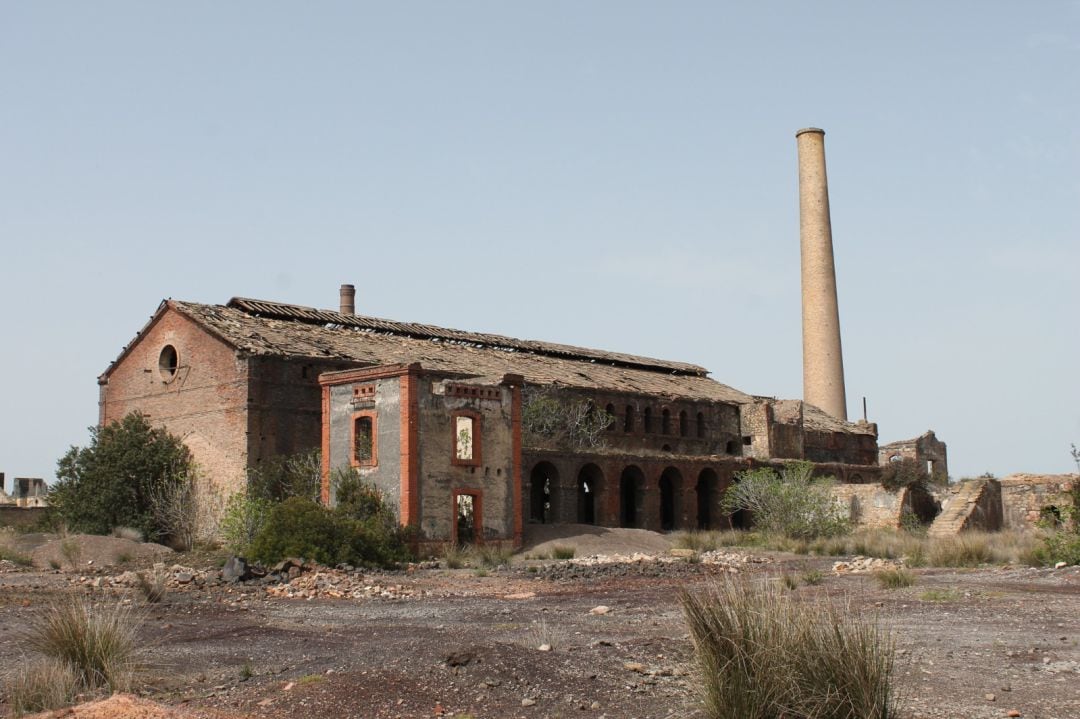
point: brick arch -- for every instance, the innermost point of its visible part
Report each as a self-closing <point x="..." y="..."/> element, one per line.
<point x="671" y="499"/>
<point x="590" y="493"/>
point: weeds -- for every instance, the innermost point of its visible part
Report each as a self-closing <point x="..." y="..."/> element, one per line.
<point x="15" y="556"/>
<point x="42" y="685"/>
<point x="71" y="551"/>
<point x="763" y="656"/>
<point x="151" y="585"/>
<point x="946" y="594"/>
<point x="545" y="635"/>
<point x="894" y="578"/>
<point x="699" y="541"/>
<point x="492" y="556"/>
<point x="128" y="533"/>
<point x="454" y="556"/>
<point x="98" y="641"/>
<point x="813" y="577"/>
<point x="246" y="671"/>
<point x="790" y="581"/>
<point x="560" y="551"/>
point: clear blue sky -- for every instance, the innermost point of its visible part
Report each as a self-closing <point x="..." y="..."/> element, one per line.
<point x="612" y="174"/>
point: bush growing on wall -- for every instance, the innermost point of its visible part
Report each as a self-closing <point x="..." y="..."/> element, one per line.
<point x="550" y="419"/>
<point x="790" y="502"/>
<point x="112" y="481"/>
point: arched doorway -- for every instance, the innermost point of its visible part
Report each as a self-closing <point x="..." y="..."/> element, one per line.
<point x="631" y="488"/>
<point x="589" y="482"/>
<point x="543" y="485"/>
<point x="706" y="496"/>
<point x="670" y="499"/>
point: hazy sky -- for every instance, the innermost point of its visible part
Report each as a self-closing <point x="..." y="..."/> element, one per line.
<point x="611" y="174"/>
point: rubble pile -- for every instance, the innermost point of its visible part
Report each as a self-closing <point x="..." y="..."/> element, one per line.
<point x="862" y="565"/>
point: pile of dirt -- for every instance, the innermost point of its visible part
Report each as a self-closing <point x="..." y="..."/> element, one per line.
<point x="126" y="706"/>
<point x="588" y="540"/>
<point x="83" y="551"/>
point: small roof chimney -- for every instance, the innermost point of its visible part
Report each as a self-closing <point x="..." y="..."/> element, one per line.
<point x="348" y="300"/>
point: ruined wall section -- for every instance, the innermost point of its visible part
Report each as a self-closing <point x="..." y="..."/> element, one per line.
<point x="656" y="424"/>
<point x="925" y="449"/>
<point x="382" y="399"/>
<point x="1028" y="499"/>
<point x="443" y="477"/>
<point x="200" y="396"/>
<point x="842" y="447"/>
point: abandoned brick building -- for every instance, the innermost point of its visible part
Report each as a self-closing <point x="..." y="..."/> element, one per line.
<point x="433" y="417"/>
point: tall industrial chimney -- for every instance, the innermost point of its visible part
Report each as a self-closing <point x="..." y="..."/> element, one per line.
<point x="823" y="360"/>
<point x="348" y="299"/>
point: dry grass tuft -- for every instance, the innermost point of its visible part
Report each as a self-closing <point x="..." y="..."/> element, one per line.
<point x="97" y="640"/>
<point x="764" y="656"/>
<point x="42" y="685"/>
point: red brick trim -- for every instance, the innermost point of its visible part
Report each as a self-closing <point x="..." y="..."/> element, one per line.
<point x="364" y="374"/>
<point x="477" y="438"/>
<point x="478" y="514"/>
<point x="325" y="489"/>
<point x="373" y="461"/>
<point x="410" y="446"/>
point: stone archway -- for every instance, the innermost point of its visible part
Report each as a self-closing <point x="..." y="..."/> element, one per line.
<point x="631" y="495"/>
<point x="543" y="489"/>
<point x="670" y="499"/>
<point x="590" y="483"/>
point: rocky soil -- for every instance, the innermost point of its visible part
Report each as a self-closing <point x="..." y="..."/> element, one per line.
<point x="595" y="636"/>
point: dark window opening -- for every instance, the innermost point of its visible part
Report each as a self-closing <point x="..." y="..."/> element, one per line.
<point x="700" y="425"/>
<point x="363" y="440"/>
<point x="684" y="424"/>
<point x="466" y="519"/>
<point x="168" y="363"/>
<point x="747" y="441"/>
<point x="648" y="419"/>
<point x="732" y="447"/>
<point x="665" y="422"/>
<point x="543" y="481"/>
<point x="628" y="423"/>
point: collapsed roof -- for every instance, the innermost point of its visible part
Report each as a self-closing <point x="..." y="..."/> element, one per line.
<point x="262" y="328"/>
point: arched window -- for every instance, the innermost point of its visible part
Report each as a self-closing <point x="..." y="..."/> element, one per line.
<point x="610" y="409"/>
<point x="665" y="421"/>
<point x="700" y="425"/>
<point x="683" y="424"/>
<point x="648" y="419"/>
<point x="628" y="423"/>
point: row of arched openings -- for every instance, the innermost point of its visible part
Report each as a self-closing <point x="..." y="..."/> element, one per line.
<point x="629" y="422"/>
<point x="591" y="485"/>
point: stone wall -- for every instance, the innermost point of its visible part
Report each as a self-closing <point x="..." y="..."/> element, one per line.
<point x="1025" y="497"/>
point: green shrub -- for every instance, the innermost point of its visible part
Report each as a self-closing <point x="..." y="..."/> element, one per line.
<point x="98" y="641"/>
<point x="299" y="527"/>
<point x="790" y="503"/>
<point x="1060" y="545"/>
<point x="492" y="556"/>
<point x="562" y="552"/>
<point x="112" y="482"/>
<point x="761" y="655"/>
<point x="243" y="520"/>
<point x="813" y="577"/>
<point x="454" y="556"/>
<point x="699" y="541"/>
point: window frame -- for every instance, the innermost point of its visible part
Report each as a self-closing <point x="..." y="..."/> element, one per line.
<point x="477" y="438"/>
<point x="373" y="460"/>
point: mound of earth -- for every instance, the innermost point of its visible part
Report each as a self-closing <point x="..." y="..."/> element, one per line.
<point x="94" y="550"/>
<point x="587" y="539"/>
<point x="126" y="706"/>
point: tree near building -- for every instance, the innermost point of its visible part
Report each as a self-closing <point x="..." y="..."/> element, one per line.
<point x="113" y="481"/>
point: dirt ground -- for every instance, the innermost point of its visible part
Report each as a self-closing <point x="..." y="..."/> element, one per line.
<point x="526" y="642"/>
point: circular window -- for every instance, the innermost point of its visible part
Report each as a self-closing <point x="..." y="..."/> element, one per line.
<point x="168" y="361"/>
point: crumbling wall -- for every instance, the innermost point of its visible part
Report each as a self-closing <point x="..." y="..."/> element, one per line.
<point x="1029" y="498"/>
<point x="926" y="449"/>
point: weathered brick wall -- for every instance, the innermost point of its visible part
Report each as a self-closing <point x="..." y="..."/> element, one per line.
<point x="11" y="516"/>
<point x="860" y="449"/>
<point x="1025" y="496"/>
<point x="717" y="433"/>
<point x="204" y="404"/>
<point x="440" y="477"/>
<point x="755" y="420"/>
<point x="284" y="406"/>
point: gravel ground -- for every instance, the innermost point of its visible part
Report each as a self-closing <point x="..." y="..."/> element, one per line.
<point x="971" y="643"/>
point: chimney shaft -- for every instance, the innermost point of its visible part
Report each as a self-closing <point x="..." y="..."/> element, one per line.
<point x="823" y="361"/>
<point x="348" y="300"/>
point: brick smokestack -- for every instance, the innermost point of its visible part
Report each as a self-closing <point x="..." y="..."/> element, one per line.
<point x="348" y="300"/>
<point x="823" y="360"/>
